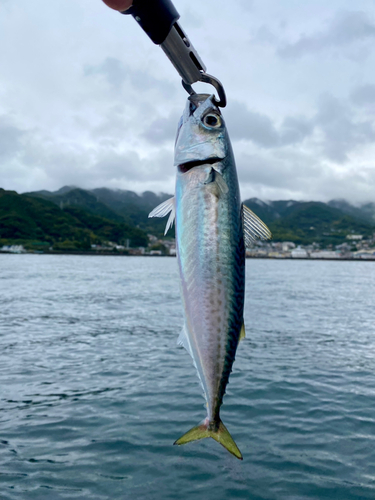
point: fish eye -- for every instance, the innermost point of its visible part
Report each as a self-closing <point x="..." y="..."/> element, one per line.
<point x="212" y="120"/>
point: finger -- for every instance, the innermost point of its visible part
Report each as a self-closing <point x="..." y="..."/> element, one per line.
<point x="120" y="5"/>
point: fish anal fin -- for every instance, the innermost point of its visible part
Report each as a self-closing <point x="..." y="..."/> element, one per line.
<point x="253" y="227"/>
<point x="165" y="208"/>
<point x="242" y="332"/>
<point x="218" y="432"/>
<point x="183" y="340"/>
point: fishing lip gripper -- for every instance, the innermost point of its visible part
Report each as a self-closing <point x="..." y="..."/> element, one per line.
<point x="158" y="18"/>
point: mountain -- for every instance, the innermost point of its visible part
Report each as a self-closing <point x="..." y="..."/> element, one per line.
<point x="135" y="208"/>
<point x="365" y="211"/>
<point x="368" y="209"/>
<point x="117" y="205"/>
<point x="25" y="218"/>
<point x="289" y="220"/>
<point x="308" y="222"/>
<point x="264" y="210"/>
<point x="75" y="197"/>
<point x="270" y="211"/>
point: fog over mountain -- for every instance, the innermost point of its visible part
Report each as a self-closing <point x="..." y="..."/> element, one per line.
<point x="112" y="202"/>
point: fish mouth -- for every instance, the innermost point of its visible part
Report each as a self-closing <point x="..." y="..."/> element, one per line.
<point x="185" y="167"/>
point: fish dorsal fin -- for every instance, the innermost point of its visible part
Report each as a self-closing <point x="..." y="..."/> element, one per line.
<point x="183" y="340"/>
<point x="164" y="209"/>
<point x="253" y="227"/>
<point x="242" y="332"/>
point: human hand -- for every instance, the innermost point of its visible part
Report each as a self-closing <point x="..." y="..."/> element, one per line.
<point x="120" y="5"/>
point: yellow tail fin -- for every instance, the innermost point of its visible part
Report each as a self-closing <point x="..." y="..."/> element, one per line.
<point x="221" y="435"/>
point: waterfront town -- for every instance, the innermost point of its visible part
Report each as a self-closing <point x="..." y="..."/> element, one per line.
<point x="356" y="247"/>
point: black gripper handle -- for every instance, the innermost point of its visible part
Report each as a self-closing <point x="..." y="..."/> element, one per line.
<point x="155" y="17"/>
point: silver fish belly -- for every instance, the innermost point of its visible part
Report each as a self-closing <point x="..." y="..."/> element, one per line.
<point x="212" y="228"/>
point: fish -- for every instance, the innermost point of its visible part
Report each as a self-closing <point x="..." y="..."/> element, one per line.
<point x="213" y="229"/>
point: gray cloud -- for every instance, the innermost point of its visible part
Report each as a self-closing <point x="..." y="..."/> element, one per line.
<point x="30" y="158"/>
<point x="10" y="139"/>
<point x="116" y="166"/>
<point x="279" y="170"/>
<point x="261" y="130"/>
<point x="336" y="128"/>
<point x="295" y="129"/>
<point x="301" y="176"/>
<point x="312" y="158"/>
<point x="341" y="131"/>
<point x="117" y="74"/>
<point x="364" y="95"/>
<point x="247" y="5"/>
<point x="245" y="124"/>
<point x="264" y="35"/>
<point x="345" y="29"/>
<point x="94" y="103"/>
<point x="162" y="130"/>
<point x="191" y="19"/>
<point x="112" y="69"/>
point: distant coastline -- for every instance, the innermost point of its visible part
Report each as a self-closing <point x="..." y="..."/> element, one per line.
<point x="260" y="257"/>
<point x="74" y="221"/>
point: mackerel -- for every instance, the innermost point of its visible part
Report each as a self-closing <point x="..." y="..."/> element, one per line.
<point x="212" y="230"/>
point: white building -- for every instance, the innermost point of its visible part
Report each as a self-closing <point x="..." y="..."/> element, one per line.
<point x="299" y="253"/>
<point x="364" y="255"/>
<point x="354" y="237"/>
<point x="287" y="245"/>
<point x="13" y="249"/>
<point x="325" y="254"/>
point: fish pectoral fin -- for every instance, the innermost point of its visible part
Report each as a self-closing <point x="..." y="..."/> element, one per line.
<point x="219" y="433"/>
<point x="253" y="227"/>
<point x="242" y="332"/>
<point x="165" y="208"/>
<point x="210" y="176"/>
<point x="216" y="177"/>
<point x="221" y="184"/>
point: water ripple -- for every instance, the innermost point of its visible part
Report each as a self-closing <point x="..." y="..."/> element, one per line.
<point x="94" y="389"/>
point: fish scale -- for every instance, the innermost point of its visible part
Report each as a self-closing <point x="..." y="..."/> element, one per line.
<point x="211" y="230"/>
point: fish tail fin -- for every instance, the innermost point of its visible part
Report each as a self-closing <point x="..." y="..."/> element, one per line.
<point x="217" y="432"/>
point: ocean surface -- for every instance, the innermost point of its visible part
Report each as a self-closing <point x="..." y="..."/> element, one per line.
<point x="94" y="390"/>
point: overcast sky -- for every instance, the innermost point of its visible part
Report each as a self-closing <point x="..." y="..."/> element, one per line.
<point x="87" y="99"/>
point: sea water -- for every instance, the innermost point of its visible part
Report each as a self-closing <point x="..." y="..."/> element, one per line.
<point x="94" y="390"/>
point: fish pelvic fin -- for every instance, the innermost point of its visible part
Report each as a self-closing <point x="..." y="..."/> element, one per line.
<point x="209" y="430"/>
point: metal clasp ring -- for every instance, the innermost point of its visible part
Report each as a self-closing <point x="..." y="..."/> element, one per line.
<point x="206" y="78"/>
